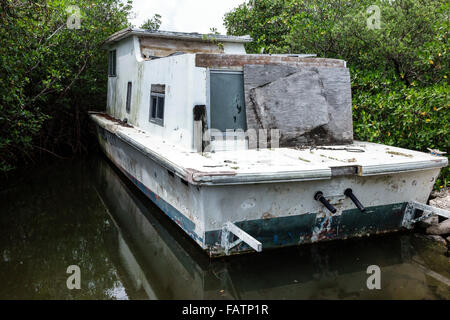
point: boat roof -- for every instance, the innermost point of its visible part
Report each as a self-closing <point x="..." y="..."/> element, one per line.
<point x="193" y="36"/>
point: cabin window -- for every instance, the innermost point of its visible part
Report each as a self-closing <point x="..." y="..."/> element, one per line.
<point x="112" y="63"/>
<point x="157" y="100"/>
<point x="128" y="106"/>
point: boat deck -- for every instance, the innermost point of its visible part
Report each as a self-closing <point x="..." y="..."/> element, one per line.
<point x="272" y="165"/>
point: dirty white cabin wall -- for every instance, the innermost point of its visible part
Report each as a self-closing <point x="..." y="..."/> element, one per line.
<point x="185" y="87"/>
<point x="233" y="48"/>
<point x="117" y="86"/>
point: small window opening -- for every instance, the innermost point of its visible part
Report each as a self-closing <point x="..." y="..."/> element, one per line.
<point x="129" y="90"/>
<point x="157" y="99"/>
<point x="112" y="63"/>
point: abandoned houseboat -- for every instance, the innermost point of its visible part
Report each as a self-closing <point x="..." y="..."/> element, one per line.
<point x="158" y="262"/>
<point x="249" y="152"/>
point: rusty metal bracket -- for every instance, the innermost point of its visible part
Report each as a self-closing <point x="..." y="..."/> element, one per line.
<point x="242" y="236"/>
<point x="428" y="211"/>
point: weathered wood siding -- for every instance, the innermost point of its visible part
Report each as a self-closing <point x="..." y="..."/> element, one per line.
<point x="159" y="47"/>
<point x="239" y="60"/>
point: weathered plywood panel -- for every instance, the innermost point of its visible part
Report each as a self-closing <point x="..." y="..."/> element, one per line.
<point x="309" y="105"/>
<point x="338" y="94"/>
<point x="302" y="93"/>
<point x="156" y="47"/>
<point x="260" y="75"/>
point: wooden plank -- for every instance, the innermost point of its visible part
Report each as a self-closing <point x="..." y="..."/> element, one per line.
<point x="159" y="47"/>
<point x="206" y="60"/>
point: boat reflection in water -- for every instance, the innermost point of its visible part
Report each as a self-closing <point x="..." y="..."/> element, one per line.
<point x="161" y="262"/>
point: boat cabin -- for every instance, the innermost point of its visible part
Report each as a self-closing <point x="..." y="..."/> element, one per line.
<point x="190" y="89"/>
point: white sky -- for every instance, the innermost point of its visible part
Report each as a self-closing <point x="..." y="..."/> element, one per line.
<point x="184" y="15"/>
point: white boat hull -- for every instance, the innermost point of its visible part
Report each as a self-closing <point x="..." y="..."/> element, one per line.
<point x="276" y="214"/>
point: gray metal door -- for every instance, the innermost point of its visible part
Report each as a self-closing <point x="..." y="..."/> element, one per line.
<point x="227" y="102"/>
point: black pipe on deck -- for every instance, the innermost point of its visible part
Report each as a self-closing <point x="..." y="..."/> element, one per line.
<point x="319" y="197"/>
<point x="349" y="193"/>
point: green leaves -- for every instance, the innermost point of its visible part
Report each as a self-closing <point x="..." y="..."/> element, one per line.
<point x="410" y="117"/>
<point x="265" y="20"/>
<point x="152" y="24"/>
<point x="399" y="72"/>
<point x="48" y="73"/>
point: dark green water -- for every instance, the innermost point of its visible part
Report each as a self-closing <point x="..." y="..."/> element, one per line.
<point x="84" y="213"/>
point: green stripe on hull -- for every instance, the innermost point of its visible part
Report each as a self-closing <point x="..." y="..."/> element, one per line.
<point x="307" y="228"/>
<point x="374" y="220"/>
